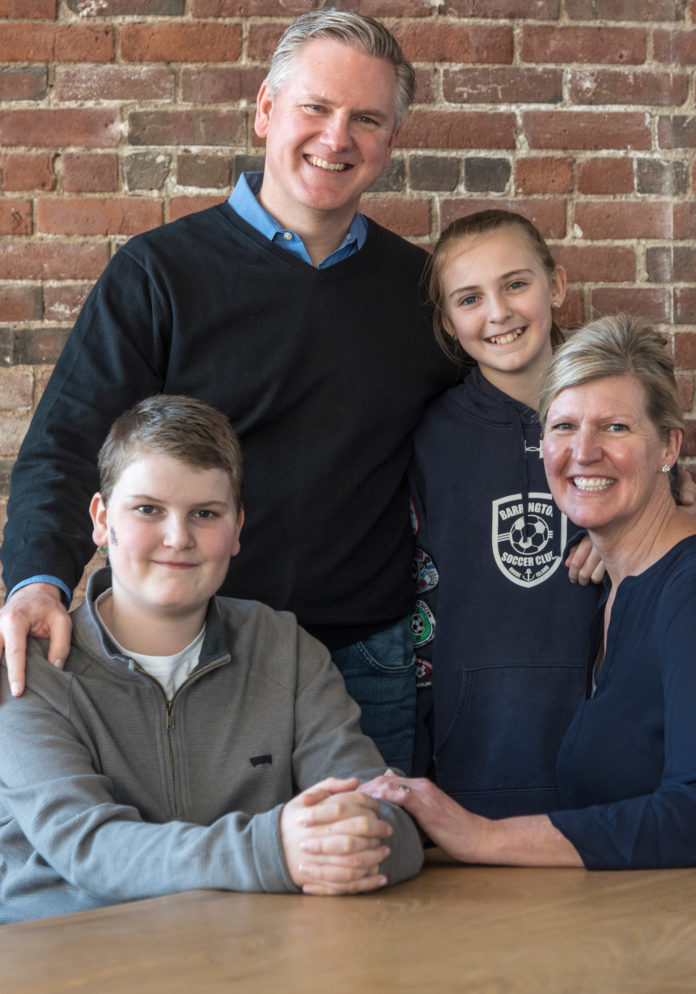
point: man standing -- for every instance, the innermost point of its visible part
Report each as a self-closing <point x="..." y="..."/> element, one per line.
<point x="304" y="323"/>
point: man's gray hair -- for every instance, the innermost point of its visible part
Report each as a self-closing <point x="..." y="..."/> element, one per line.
<point x="365" y="34"/>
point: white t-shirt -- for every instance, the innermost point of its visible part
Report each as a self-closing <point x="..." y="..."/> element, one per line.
<point x="169" y="671"/>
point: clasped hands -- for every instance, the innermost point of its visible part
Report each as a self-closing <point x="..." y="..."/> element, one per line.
<point x="334" y="839"/>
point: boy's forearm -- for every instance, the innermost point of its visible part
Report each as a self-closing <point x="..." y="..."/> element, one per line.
<point x="406" y="858"/>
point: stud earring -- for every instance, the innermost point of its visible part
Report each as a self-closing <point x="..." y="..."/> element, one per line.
<point x="666" y="468"/>
<point x="556" y="303"/>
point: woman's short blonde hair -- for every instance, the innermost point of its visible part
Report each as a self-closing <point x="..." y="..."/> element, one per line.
<point x="618" y="346"/>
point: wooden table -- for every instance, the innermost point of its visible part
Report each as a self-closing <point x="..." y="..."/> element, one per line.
<point x="454" y="928"/>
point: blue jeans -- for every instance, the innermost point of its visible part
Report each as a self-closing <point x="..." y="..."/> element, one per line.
<point x="380" y="675"/>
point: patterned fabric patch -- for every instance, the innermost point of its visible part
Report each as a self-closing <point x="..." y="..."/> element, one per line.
<point x="425" y="575"/>
<point x="424" y="673"/>
<point x="415" y="523"/>
<point x="422" y="624"/>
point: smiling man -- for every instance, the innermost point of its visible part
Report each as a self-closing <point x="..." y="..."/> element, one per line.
<point x="301" y="320"/>
<point x="329" y="131"/>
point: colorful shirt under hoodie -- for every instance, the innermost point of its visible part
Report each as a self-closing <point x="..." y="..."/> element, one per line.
<point x="501" y="633"/>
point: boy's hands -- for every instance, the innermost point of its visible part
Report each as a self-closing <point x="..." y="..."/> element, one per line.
<point x="333" y="839"/>
<point x="38" y="610"/>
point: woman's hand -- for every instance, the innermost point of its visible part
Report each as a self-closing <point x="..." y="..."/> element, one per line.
<point x="446" y="823"/>
<point x="528" y="840"/>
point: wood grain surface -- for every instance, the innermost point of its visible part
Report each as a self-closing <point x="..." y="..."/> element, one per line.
<point x="493" y="930"/>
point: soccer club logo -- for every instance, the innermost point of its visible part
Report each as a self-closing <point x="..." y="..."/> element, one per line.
<point x="528" y="537"/>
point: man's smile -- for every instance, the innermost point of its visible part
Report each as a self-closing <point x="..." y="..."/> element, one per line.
<point x="333" y="167"/>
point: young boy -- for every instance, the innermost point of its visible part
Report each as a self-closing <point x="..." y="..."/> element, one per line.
<point x="166" y="755"/>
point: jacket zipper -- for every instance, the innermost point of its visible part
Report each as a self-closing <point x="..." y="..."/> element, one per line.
<point x="169" y="723"/>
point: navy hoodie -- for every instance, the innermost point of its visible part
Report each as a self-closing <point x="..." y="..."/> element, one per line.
<point x="501" y="633"/>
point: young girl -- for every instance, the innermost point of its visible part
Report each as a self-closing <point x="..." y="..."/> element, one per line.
<point x="500" y="631"/>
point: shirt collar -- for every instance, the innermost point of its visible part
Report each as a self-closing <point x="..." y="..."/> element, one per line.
<point x="243" y="200"/>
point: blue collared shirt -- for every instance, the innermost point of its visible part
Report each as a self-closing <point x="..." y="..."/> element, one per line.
<point x="65" y="591"/>
<point x="243" y="201"/>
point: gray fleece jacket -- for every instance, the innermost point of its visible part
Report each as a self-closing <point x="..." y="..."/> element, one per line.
<point x="111" y="793"/>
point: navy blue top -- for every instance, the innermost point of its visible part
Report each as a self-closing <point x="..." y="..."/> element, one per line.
<point x="500" y="630"/>
<point x="628" y="761"/>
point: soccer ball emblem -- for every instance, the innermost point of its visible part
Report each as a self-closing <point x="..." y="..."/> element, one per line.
<point x="422" y="624"/>
<point x="537" y="538"/>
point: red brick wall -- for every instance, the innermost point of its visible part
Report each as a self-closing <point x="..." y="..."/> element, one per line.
<point x="117" y="115"/>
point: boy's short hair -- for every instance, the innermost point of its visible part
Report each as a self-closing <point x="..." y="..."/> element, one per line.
<point x="178" y="426"/>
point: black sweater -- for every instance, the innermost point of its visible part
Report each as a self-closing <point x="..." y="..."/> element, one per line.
<point x="323" y="373"/>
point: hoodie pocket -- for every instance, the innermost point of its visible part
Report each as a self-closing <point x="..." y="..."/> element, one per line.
<point x="502" y="729"/>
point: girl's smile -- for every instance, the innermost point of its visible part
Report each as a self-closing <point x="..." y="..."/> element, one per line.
<point x="497" y="303"/>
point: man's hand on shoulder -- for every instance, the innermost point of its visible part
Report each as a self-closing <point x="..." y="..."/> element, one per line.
<point x="38" y="610"/>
